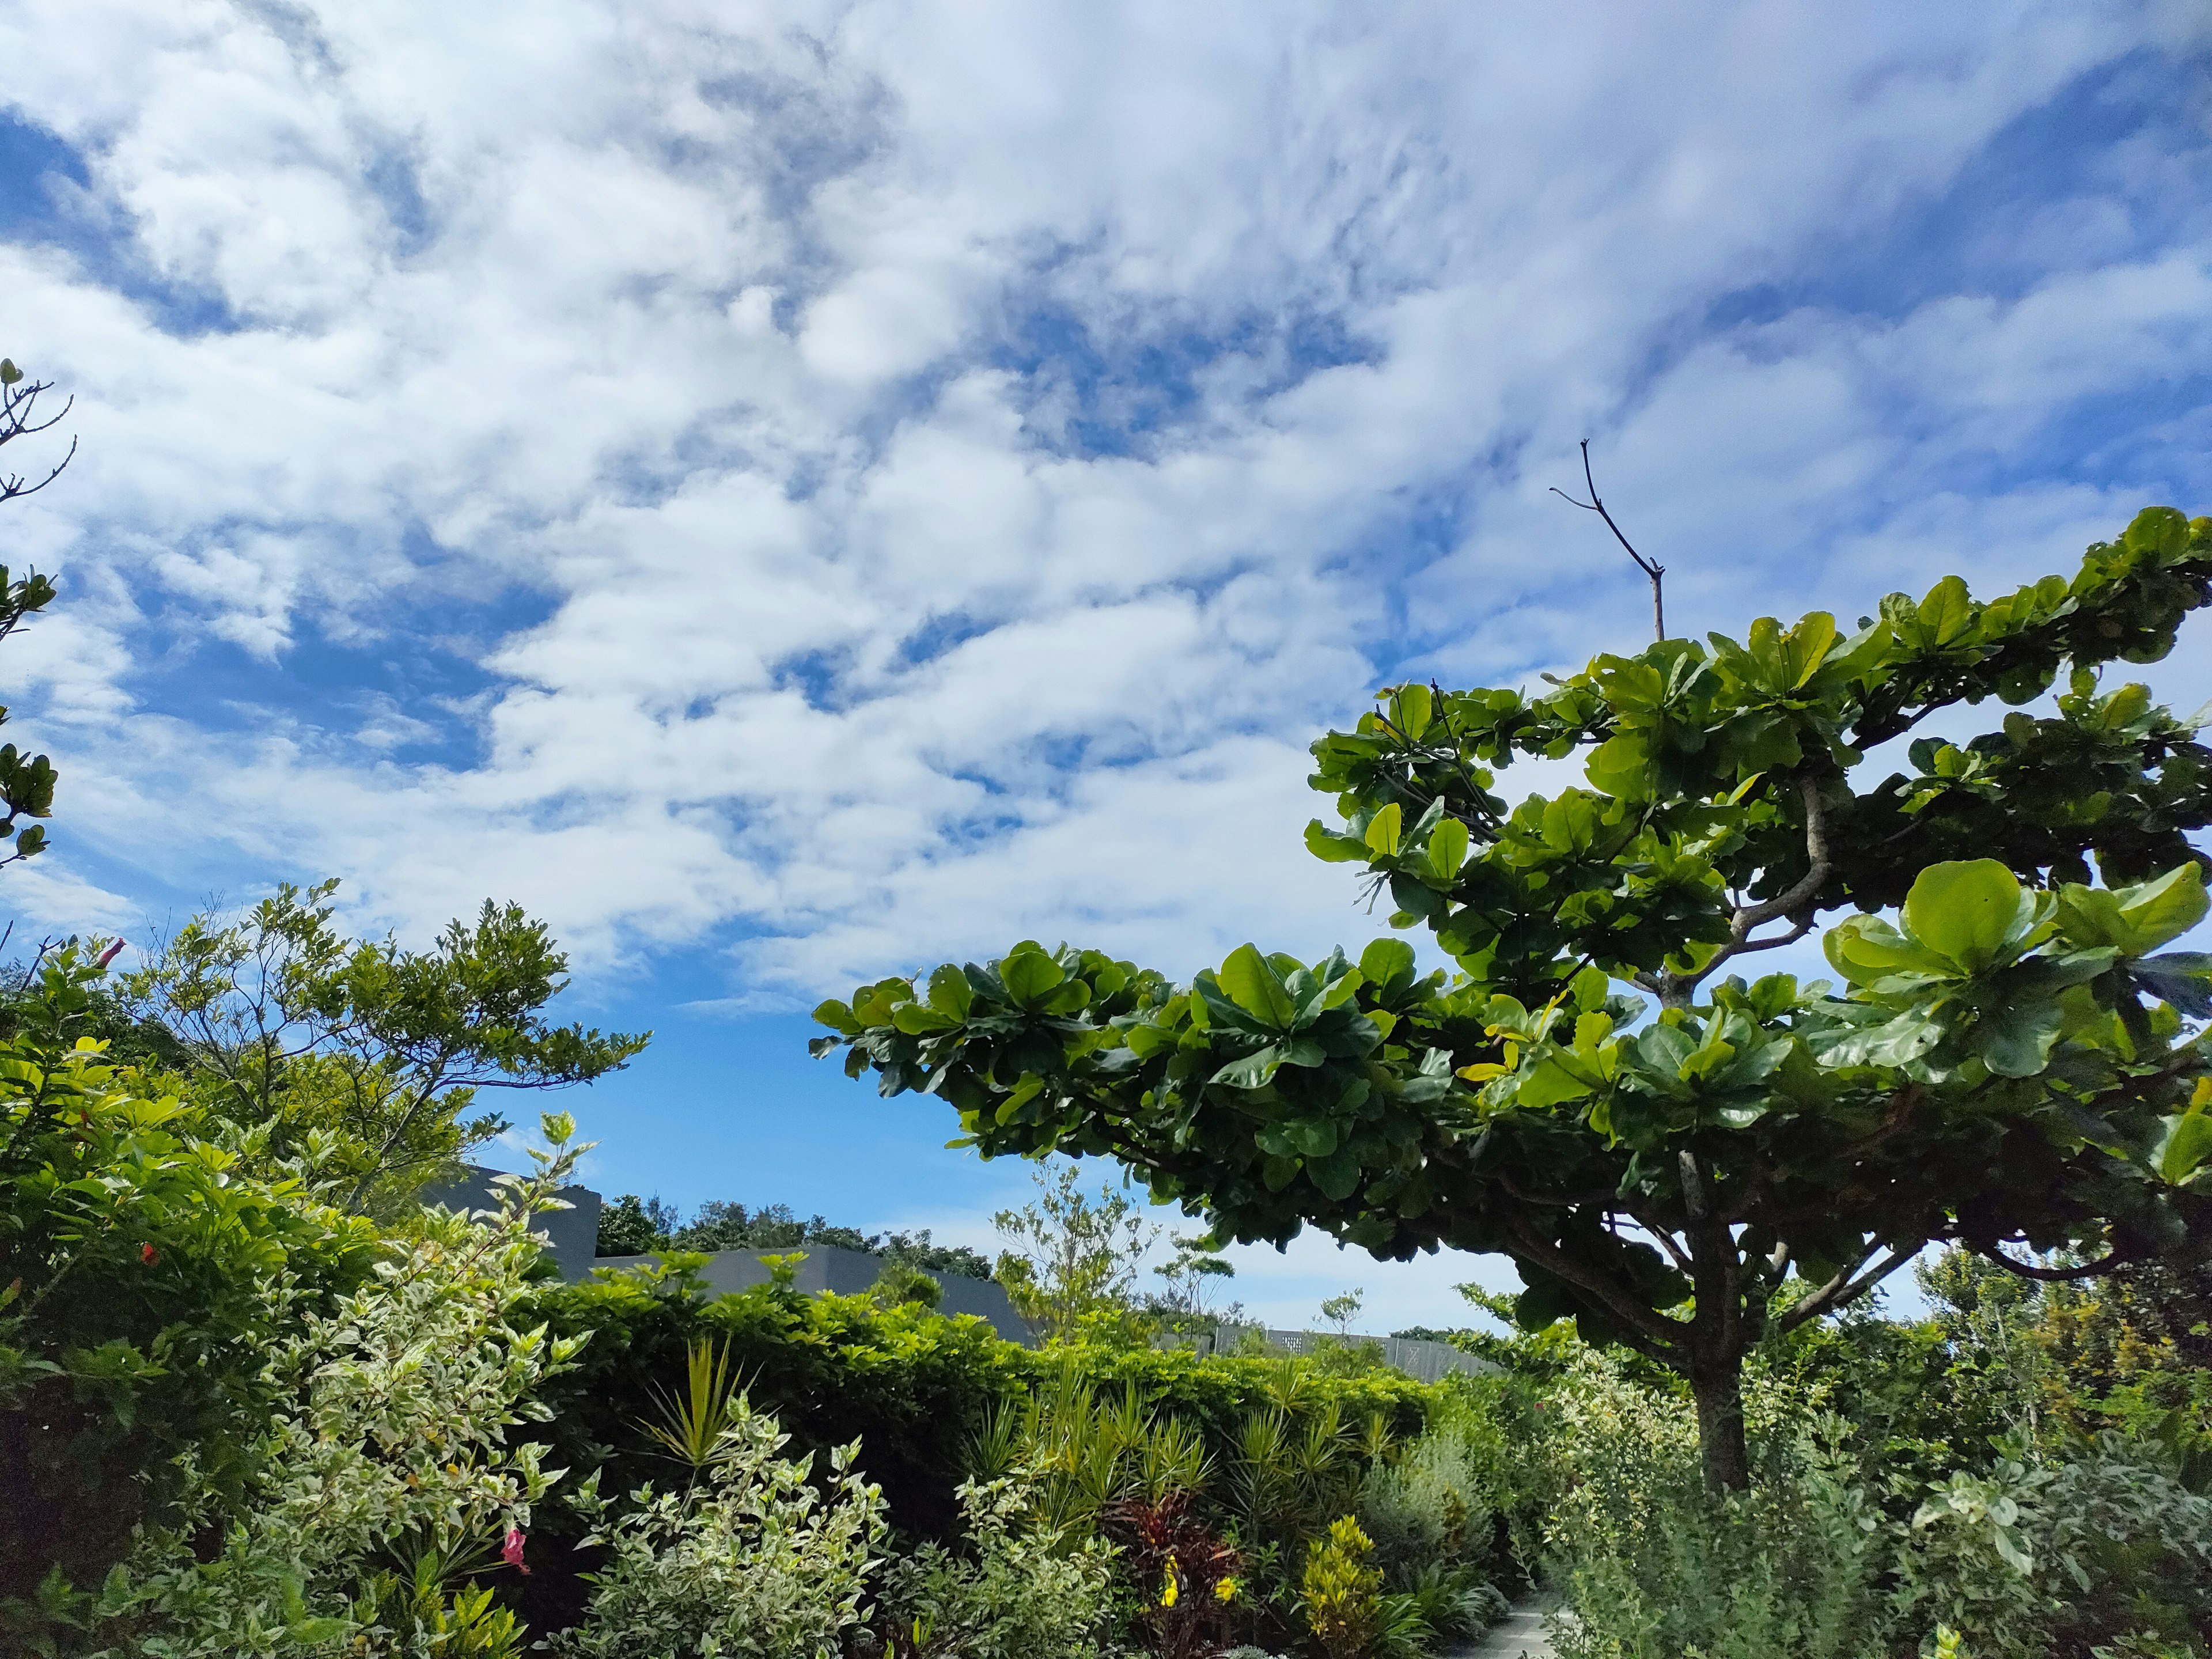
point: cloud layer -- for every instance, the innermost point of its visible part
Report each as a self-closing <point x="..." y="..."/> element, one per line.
<point x="827" y="487"/>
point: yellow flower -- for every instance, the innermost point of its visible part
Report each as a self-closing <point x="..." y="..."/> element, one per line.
<point x="1168" y="1596"/>
<point x="1225" y="1590"/>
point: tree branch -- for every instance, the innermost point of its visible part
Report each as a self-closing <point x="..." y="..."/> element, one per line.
<point x="1795" y="901"/>
<point x="1651" y="568"/>
<point x="1656" y="1335"/>
<point x="1843" y="1290"/>
<point x="2097" y="1269"/>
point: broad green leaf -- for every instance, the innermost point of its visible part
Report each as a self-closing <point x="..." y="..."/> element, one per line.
<point x="1866" y="949"/>
<point x="2187" y="1140"/>
<point x="1549" y="1083"/>
<point x="2015" y="1039"/>
<point x="1338" y="992"/>
<point x="1589" y="990"/>
<point x="1253" y="985"/>
<point x="1805" y="647"/>
<point x="2160" y="530"/>
<point x="1387" y="962"/>
<point x="1969" y="910"/>
<point x="1337" y="1176"/>
<point x="1254" y="1071"/>
<point x="1413" y="709"/>
<point x="1947" y="612"/>
<point x="1333" y="846"/>
<point x="1071" y="998"/>
<point x="1383" y="830"/>
<point x="1029" y="975"/>
<point x="920" y="1019"/>
<point x="2163" y="910"/>
<point x="1447" y="844"/>
<point x="2188" y="1143"/>
<point x="950" y="992"/>
<point x="1896" y="1041"/>
<point x="838" y="1018"/>
<point x="1620" y="767"/>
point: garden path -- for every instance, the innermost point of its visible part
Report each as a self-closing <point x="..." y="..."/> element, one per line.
<point x="1519" y="1635"/>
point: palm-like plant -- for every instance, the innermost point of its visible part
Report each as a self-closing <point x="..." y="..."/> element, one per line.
<point x="694" y="1424"/>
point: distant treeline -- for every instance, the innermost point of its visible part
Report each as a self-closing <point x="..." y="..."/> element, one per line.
<point x="632" y="1226"/>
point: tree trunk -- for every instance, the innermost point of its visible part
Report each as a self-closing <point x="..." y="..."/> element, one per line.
<point x="1719" y="1391"/>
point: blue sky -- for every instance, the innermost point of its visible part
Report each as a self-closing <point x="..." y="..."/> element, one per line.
<point x="794" y="493"/>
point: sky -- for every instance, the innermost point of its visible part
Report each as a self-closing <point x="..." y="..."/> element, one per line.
<point x="790" y="494"/>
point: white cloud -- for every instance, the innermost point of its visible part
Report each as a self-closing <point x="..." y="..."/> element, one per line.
<point x="928" y="471"/>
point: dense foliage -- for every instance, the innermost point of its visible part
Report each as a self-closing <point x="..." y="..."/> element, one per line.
<point x="629" y="1227"/>
<point x="146" y="1275"/>
<point x="2013" y="1062"/>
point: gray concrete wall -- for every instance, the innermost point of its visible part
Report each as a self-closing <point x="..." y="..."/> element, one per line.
<point x="848" y="1272"/>
<point x="1424" y="1360"/>
<point x="572" y="1234"/>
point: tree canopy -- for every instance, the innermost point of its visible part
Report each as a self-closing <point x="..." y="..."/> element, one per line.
<point x="280" y="1019"/>
<point x="2013" y="1061"/>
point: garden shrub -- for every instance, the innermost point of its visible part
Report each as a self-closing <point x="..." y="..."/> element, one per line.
<point x="1651" y="1562"/>
<point x="912" y="1387"/>
<point x="389" y="1445"/>
<point x="1190" y="1585"/>
<point x="2068" y="1549"/>
<point x="752" y="1559"/>
<point x="1341" y="1592"/>
<point x="1020" y="1591"/>
<point x="917" y="1391"/>
<point x="2134" y="1546"/>
<point x="1431" y="1504"/>
<point x="146" y="1275"/>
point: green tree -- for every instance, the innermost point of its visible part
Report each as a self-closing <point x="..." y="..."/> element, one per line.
<point x="1341" y="1310"/>
<point x="290" y="1022"/>
<point x="2012" y="1062"/>
<point x="1188" y="1276"/>
<point x="631" y="1227"/>
<point x="27" y="782"/>
<point x="1072" y="1254"/>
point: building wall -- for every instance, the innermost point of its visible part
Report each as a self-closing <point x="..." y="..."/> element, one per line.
<point x="1423" y="1360"/>
<point x="572" y="1234"/>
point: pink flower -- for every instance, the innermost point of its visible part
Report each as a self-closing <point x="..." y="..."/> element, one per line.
<point x="109" y="954"/>
<point x="511" y="1552"/>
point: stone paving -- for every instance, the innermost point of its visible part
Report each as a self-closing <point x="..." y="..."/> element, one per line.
<point x="1519" y="1635"/>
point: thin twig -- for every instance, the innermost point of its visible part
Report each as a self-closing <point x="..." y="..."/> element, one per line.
<point x="1651" y="568"/>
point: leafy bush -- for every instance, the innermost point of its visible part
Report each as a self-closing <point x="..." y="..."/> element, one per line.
<point x="1342" y="1593"/>
<point x="1651" y="1562"/>
<point x="1431" y="1504"/>
<point x="751" y="1559"/>
<point x="146" y="1275"/>
<point x="912" y="1387"/>
<point x="1022" y="1593"/>
<point x="1188" y="1582"/>
<point x="389" y="1445"/>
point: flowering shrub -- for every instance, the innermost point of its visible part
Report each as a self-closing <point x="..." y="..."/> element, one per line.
<point x="390" y="1444"/>
<point x="750" y="1559"/>
<point x="1190" y="1584"/>
<point x="145" y="1275"/>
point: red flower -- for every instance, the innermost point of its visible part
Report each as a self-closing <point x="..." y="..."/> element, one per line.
<point x="109" y="954"/>
<point x="149" y="1254"/>
<point x="511" y="1552"/>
